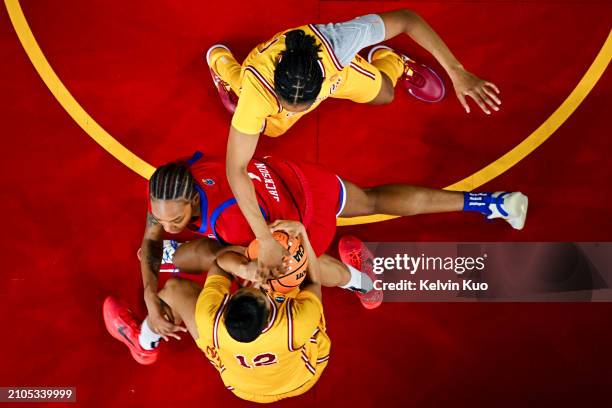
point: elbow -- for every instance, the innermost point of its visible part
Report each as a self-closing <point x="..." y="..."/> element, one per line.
<point x="233" y="170"/>
<point x="411" y="19"/>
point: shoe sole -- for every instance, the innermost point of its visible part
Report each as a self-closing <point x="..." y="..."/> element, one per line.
<point x="211" y="49"/>
<point x="522" y="202"/>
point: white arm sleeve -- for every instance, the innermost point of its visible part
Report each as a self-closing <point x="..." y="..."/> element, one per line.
<point x="350" y="37"/>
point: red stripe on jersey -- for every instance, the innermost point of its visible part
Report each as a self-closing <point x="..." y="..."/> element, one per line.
<point x="363" y="71"/>
<point x="327" y="46"/>
<point x="290" y="324"/>
<point x="217" y="318"/>
<point x="309" y="366"/>
<point x="273" y="314"/>
<point x="323" y="359"/>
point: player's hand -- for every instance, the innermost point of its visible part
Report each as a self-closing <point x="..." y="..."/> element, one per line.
<point x="261" y="285"/>
<point x="161" y="319"/>
<point x="293" y="228"/>
<point x="484" y="93"/>
<point x="270" y="259"/>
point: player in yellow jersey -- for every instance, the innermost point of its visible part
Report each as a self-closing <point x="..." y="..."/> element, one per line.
<point x="265" y="347"/>
<point x="290" y="75"/>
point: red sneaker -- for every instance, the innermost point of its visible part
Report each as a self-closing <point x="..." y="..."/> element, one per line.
<point x="419" y="80"/>
<point x="228" y="97"/>
<point x="121" y="324"/>
<point x="353" y="252"/>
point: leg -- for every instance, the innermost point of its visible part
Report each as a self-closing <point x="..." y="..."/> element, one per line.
<point x="333" y="272"/>
<point x="348" y="276"/>
<point x="404" y="200"/>
<point x="181" y="296"/>
<point x="391" y="66"/>
<point x="225" y="65"/>
<point x="399" y="199"/>
<point x="196" y="256"/>
<point x="366" y="83"/>
<point x="386" y="93"/>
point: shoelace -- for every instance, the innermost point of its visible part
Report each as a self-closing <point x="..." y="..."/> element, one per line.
<point x="414" y="77"/>
<point x="355" y="257"/>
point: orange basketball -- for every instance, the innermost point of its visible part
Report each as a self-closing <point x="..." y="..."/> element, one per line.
<point x="297" y="269"/>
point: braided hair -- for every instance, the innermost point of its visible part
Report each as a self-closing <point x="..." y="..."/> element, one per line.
<point x="172" y="181"/>
<point x="298" y="77"/>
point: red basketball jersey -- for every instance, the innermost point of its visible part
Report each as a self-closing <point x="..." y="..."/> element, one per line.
<point x="278" y="187"/>
<point x="284" y="192"/>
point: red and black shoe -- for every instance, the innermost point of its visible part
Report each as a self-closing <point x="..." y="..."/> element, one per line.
<point x="121" y="324"/>
<point x="354" y="252"/>
<point x="228" y="98"/>
<point x="419" y="80"/>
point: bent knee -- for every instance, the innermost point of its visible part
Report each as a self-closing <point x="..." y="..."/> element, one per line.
<point x="173" y="285"/>
<point x="196" y="255"/>
<point x="181" y="258"/>
<point x="358" y="201"/>
<point x="176" y="288"/>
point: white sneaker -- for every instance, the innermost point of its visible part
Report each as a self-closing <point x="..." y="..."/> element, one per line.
<point x="167" y="264"/>
<point x="513" y="209"/>
<point x="169" y="247"/>
<point x="228" y="97"/>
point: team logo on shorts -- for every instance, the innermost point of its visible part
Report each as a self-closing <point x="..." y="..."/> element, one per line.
<point x="208" y="182"/>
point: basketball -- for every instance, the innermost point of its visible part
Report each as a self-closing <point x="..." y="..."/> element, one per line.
<point x="297" y="269"/>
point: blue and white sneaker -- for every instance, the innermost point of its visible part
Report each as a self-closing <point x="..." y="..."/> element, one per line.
<point x="169" y="248"/>
<point x="510" y="206"/>
<point x="167" y="264"/>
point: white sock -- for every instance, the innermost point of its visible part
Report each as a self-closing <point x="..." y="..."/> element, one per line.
<point x="148" y="339"/>
<point x="359" y="281"/>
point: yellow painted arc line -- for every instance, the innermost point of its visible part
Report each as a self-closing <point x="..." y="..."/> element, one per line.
<point x="65" y="98"/>
<point x="486" y="174"/>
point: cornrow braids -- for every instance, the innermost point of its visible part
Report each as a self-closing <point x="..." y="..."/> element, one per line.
<point x="172" y="181"/>
<point x="298" y="76"/>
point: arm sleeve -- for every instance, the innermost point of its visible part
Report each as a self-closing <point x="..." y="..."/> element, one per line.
<point x="350" y="37"/>
<point x="254" y="106"/>
<point x="307" y="312"/>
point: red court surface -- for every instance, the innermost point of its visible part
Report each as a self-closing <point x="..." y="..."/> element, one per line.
<point x="74" y="215"/>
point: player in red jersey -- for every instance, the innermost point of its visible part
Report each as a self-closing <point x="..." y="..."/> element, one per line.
<point x="192" y="199"/>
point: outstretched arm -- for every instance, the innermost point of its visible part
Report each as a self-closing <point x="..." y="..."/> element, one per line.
<point x="408" y="22"/>
<point x="240" y="150"/>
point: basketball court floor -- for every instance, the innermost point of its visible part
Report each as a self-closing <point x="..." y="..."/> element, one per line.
<point x="95" y="94"/>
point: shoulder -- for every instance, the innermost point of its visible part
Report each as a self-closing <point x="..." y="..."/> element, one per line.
<point x="211" y="300"/>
